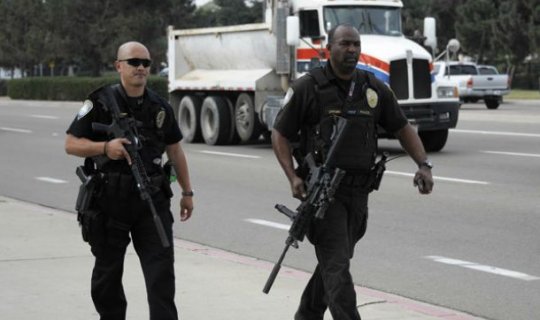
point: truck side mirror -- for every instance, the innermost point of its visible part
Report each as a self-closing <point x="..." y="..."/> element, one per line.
<point x="430" y="33"/>
<point x="293" y="31"/>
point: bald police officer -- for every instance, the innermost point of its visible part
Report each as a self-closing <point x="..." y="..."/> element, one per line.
<point x="310" y="108"/>
<point x="123" y="212"/>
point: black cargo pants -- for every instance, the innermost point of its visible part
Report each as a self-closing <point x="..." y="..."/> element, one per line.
<point x="334" y="237"/>
<point x="128" y="215"/>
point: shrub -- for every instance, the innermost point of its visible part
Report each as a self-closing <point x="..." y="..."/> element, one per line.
<point x="69" y="88"/>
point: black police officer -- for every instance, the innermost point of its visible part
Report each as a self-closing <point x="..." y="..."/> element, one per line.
<point x="312" y="102"/>
<point x="126" y="214"/>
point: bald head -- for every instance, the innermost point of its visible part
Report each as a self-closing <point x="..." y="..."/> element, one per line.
<point x="132" y="49"/>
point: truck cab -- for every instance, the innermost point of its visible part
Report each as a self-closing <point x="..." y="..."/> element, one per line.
<point x="247" y="69"/>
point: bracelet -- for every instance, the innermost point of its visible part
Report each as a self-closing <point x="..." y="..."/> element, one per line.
<point x="105" y="148"/>
<point x="187" y="193"/>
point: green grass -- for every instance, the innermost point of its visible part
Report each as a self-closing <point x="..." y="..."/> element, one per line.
<point x="523" y="94"/>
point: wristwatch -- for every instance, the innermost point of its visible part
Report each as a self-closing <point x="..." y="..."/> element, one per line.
<point x="187" y="193"/>
<point x="426" y="163"/>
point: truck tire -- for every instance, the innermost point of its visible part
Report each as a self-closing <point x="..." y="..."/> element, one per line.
<point x="246" y="121"/>
<point x="492" y="103"/>
<point x="434" y="140"/>
<point x="215" y="121"/>
<point x="189" y="111"/>
<point x="233" y="136"/>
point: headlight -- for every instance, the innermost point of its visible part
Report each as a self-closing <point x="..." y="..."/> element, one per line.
<point x="447" y="92"/>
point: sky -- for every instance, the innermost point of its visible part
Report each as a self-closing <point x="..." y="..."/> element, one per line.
<point x="201" y="2"/>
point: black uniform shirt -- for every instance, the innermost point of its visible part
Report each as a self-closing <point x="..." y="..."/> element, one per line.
<point x="92" y="111"/>
<point x="302" y="108"/>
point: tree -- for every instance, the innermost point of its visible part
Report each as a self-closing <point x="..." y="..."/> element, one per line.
<point x="22" y="33"/>
<point x="91" y="31"/>
<point x="229" y="12"/>
<point x="474" y="28"/>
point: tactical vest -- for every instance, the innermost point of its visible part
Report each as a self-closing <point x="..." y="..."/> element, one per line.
<point x="358" y="150"/>
<point x="152" y="117"/>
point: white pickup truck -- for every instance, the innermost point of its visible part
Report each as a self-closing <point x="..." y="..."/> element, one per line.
<point x="475" y="82"/>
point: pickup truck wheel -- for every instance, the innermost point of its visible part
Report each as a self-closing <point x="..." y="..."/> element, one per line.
<point x="492" y="103"/>
<point x="434" y="140"/>
<point x="247" y="123"/>
<point x="215" y="121"/>
<point x="189" y="111"/>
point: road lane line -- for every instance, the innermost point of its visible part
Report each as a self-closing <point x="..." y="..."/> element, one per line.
<point x="51" y="180"/>
<point x="41" y="116"/>
<point x="498" y="133"/>
<point x="535" y="155"/>
<point x="271" y="224"/>
<point x="15" y="130"/>
<point x="406" y="174"/>
<point x="238" y="155"/>
<point x="483" y="268"/>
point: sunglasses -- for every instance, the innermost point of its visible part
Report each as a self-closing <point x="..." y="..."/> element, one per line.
<point x="135" y="62"/>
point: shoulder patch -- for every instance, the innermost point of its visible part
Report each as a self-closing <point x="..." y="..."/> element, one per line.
<point x="86" y="107"/>
<point x="288" y="96"/>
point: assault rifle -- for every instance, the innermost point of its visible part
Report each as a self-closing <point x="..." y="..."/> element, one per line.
<point x="321" y="185"/>
<point x="124" y="126"/>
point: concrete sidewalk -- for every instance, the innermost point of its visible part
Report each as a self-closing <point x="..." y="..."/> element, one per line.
<point x="45" y="270"/>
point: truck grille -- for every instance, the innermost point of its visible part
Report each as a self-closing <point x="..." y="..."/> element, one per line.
<point x="399" y="81"/>
<point x="422" y="79"/>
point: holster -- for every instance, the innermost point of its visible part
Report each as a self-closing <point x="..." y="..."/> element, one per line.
<point x="93" y="226"/>
<point x="91" y="220"/>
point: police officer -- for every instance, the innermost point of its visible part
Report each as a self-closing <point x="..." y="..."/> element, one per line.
<point x="310" y="108"/>
<point x="125" y="214"/>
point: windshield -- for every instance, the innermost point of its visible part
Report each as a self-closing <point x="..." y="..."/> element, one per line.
<point x="368" y="20"/>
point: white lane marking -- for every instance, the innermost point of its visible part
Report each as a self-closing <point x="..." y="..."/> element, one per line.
<point x="229" y="154"/>
<point x="15" y="130"/>
<point x="397" y="173"/>
<point x="269" y="224"/>
<point x="50" y="180"/>
<point x="483" y="268"/>
<point x="498" y="133"/>
<point x="41" y="116"/>
<point x="535" y="155"/>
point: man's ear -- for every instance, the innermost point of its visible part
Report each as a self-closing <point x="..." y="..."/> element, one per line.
<point x="117" y="66"/>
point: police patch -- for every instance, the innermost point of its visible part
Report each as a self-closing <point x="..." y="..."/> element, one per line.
<point x="372" y="97"/>
<point x="87" y="106"/>
<point x="160" y="118"/>
<point x="288" y="96"/>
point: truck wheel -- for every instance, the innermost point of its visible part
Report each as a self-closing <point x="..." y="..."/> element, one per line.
<point x="233" y="136"/>
<point x="247" y="123"/>
<point x="492" y="103"/>
<point x="434" y="140"/>
<point x="215" y="121"/>
<point x="189" y="111"/>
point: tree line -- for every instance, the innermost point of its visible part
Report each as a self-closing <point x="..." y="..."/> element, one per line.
<point x="505" y="33"/>
<point x="62" y="34"/>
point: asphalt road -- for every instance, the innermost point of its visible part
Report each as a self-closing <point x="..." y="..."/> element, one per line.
<point x="473" y="245"/>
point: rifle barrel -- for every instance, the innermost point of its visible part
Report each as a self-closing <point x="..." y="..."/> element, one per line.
<point x="277" y="267"/>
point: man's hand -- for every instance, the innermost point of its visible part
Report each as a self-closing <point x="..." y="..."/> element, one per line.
<point x="115" y="149"/>
<point x="423" y="180"/>
<point x="186" y="208"/>
<point x="297" y="188"/>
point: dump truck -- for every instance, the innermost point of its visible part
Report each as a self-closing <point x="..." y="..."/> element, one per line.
<point x="227" y="84"/>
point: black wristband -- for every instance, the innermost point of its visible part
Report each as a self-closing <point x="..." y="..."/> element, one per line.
<point x="187" y="193"/>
